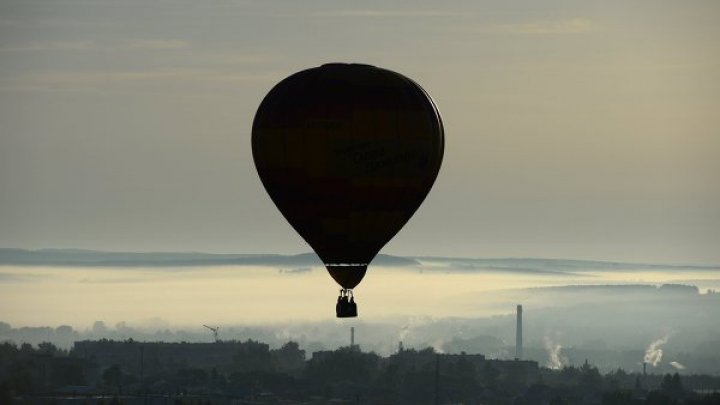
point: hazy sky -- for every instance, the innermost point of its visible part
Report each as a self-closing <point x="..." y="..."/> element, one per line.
<point x="573" y="129"/>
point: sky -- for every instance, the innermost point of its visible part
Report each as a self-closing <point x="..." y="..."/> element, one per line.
<point x="574" y="129"/>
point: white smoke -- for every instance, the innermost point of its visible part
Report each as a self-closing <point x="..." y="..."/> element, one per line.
<point x="677" y="365"/>
<point x="404" y="332"/>
<point x="654" y="353"/>
<point x="412" y="323"/>
<point x="438" y="345"/>
<point x="556" y="361"/>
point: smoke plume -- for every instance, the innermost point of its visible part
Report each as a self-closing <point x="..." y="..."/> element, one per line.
<point x="556" y="361"/>
<point x="677" y="366"/>
<point x="654" y="353"/>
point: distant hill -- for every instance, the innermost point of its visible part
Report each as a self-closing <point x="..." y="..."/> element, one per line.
<point x="548" y="267"/>
<point x="92" y="258"/>
<point x="561" y="266"/>
<point x="682" y="289"/>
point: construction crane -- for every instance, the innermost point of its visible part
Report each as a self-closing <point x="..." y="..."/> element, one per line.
<point x="214" y="331"/>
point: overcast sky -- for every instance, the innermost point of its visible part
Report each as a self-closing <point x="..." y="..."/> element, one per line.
<point x="573" y="129"/>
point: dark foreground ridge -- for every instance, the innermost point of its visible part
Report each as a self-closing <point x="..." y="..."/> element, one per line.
<point x="250" y="372"/>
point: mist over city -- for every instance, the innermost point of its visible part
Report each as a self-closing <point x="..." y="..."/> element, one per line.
<point x="632" y="322"/>
<point x="609" y="313"/>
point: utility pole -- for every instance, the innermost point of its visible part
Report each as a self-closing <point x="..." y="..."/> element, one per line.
<point x="142" y="363"/>
<point x="437" y="378"/>
<point x="142" y="373"/>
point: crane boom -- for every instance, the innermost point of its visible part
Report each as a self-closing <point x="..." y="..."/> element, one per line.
<point x="214" y="330"/>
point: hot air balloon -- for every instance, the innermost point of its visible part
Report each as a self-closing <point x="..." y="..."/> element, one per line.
<point x="347" y="152"/>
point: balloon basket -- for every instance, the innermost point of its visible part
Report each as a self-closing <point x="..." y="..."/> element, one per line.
<point x="346" y="306"/>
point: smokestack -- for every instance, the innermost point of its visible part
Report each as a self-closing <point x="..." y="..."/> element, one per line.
<point x="352" y="336"/>
<point x="644" y="375"/>
<point x="518" y="335"/>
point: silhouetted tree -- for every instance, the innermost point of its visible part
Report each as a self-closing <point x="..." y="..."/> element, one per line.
<point x="47" y="348"/>
<point x="253" y="356"/>
<point x="671" y="386"/>
<point x="590" y="375"/>
<point x="289" y="358"/>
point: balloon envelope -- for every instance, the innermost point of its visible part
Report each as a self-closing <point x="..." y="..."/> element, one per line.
<point x="347" y="153"/>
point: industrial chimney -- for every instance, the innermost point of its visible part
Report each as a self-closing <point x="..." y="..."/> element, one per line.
<point x="352" y="336"/>
<point x="518" y="335"/>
